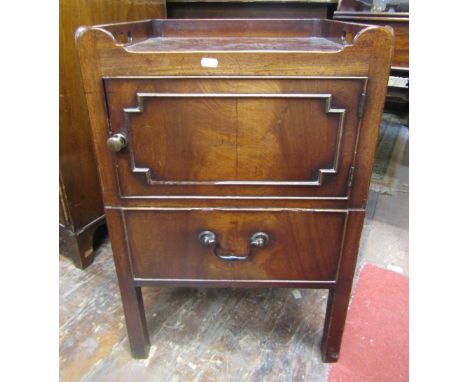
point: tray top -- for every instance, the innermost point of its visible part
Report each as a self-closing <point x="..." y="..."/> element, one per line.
<point x="232" y="35"/>
<point x="158" y="44"/>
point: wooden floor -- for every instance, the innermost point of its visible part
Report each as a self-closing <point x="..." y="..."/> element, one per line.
<point x="221" y="334"/>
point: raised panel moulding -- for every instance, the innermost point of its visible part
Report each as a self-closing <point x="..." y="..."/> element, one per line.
<point x="150" y="176"/>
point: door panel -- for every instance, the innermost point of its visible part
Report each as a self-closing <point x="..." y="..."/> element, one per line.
<point x="235" y="137"/>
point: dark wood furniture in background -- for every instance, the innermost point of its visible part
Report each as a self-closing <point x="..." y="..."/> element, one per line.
<point x="208" y="9"/>
<point x="395" y="14"/>
<point x="238" y="160"/>
<point x="81" y="209"/>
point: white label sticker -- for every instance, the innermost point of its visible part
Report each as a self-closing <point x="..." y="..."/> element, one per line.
<point x="297" y="293"/>
<point x="209" y="62"/>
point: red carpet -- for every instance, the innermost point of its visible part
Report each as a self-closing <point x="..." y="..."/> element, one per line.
<point x="375" y="340"/>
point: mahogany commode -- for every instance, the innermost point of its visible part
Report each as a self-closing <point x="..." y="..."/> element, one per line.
<point x="235" y="153"/>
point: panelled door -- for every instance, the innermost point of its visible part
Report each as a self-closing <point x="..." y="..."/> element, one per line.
<point x="241" y="137"/>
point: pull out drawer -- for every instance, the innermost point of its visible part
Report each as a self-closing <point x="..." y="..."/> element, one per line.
<point x="197" y="244"/>
<point x="240" y="137"/>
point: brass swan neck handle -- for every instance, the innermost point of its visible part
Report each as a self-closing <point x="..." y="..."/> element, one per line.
<point x="209" y="239"/>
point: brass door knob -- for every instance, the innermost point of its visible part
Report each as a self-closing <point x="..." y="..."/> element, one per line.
<point x="117" y="142"/>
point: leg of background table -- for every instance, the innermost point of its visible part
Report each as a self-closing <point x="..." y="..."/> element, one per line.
<point x="78" y="247"/>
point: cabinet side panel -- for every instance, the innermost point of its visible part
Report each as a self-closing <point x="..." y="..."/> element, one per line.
<point x="379" y="71"/>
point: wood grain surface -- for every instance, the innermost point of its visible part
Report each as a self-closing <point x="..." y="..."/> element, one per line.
<point x="252" y="137"/>
<point x="302" y="245"/>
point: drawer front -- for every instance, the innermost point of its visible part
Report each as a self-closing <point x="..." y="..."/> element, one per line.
<point x="234" y="137"/>
<point x="245" y="244"/>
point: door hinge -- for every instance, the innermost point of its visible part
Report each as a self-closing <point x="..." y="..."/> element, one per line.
<point x="350" y="176"/>
<point x="362" y="103"/>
